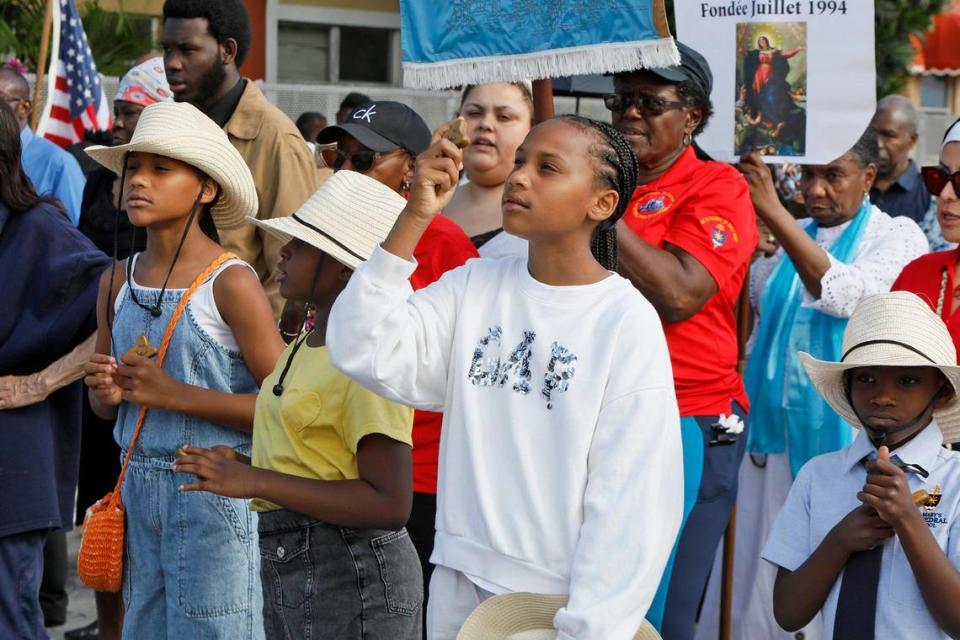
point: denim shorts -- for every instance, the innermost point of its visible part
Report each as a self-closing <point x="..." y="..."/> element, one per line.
<point x="322" y="582"/>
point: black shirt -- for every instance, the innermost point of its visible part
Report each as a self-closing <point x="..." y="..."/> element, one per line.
<point x="907" y="196"/>
<point x="98" y="217"/>
<point x="222" y="110"/>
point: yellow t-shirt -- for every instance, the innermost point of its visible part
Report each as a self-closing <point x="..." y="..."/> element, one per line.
<point x="312" y="430"/>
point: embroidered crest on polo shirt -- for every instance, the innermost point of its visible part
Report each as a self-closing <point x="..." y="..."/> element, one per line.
<point x="928" y="503"/>
<point x="653" y="204"/>
<point x="491" y="371"/>
<point x="721" y="231"/>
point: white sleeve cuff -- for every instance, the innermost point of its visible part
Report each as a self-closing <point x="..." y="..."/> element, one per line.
<point x="783" y="556"/>
<point x="383" y="266"/>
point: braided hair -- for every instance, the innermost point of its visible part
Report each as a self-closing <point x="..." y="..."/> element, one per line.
<point x="617" y="169"/>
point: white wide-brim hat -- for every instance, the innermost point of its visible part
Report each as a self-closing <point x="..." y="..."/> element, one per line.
<point x="346" y="218"/>
<point x="524" y="616"/>
<point x="180" y="131"/>
<point x="896" y="329"/>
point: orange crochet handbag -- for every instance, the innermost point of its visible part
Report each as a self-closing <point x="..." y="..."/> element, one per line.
<point x="100" y="561"/>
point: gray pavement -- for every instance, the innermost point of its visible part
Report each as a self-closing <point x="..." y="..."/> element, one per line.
<point x="81" y="609"/>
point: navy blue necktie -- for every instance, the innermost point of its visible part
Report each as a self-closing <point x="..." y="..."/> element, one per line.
<point x="857" y="605"/>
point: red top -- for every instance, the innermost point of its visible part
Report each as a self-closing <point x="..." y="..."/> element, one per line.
<point x="704" y="208"/>
<point x="924" y="276"/>
<point x="444" y="246"/>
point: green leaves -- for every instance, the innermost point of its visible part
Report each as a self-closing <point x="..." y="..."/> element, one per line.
<point x="115" y="38"/>
<point x="894" y="22"/>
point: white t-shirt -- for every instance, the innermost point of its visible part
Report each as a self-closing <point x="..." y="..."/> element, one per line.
<point x="561" y="468"/>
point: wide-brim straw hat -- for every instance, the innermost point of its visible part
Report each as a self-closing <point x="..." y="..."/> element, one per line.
<point x="895" y="329"/>
<point x="346" y="218"/>
<point x="524" y="616"/>
<point x="180" y="131"/>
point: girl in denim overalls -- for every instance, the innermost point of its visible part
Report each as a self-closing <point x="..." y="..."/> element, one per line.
<point x="331" y="464"/>
<point x="191" y="566"/>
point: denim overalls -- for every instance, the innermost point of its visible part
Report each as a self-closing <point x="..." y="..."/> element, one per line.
<point x="192" y="561"/>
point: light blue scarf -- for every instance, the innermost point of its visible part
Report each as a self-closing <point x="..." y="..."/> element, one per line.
<point x="785" y="407"/>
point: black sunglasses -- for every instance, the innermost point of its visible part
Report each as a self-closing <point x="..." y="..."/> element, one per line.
<point x="646" y="104"/>
<point x="362" y="161"/>
<point x="935" y="179"/>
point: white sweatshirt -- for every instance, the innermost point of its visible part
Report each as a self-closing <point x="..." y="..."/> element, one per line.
<point x="560" y="459"/>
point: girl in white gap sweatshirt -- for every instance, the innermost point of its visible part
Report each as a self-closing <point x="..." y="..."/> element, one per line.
<point x="560" y="459"/>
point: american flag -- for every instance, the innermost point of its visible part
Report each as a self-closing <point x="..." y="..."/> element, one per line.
<point x="78" y="101"/>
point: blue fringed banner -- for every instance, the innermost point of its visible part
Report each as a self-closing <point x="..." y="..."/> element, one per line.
<point x="449" y="43"/>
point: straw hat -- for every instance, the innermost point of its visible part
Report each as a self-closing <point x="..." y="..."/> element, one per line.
<point x="895" y="329"/>
<point x="346" y="218"/>
<point x="524" y="616"/>
<point x="180" y="131"/>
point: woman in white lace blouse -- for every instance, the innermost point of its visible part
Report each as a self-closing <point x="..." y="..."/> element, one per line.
<point x="802" y="296"/>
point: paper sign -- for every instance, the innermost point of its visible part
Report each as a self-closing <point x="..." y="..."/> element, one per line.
<point x="793" y="80"/>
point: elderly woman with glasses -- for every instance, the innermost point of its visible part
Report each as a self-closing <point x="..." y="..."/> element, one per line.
<point x="933" y="276"/>
<point x="685" y="242"/>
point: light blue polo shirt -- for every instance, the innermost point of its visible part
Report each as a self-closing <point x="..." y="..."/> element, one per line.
<point x="826" y="490"/>
<point x="53" y="172"/>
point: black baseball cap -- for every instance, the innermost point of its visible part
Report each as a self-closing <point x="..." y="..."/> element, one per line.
<point x="693" y="66"/>
<point x="382" y="126"/>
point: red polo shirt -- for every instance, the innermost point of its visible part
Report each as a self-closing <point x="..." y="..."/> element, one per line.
<point x="704" y="208"/>
<point x="924" y="277"/>
<point x="442" y="247"/>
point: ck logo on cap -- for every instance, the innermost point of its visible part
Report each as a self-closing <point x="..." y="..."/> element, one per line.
<point x="364" y="114"/>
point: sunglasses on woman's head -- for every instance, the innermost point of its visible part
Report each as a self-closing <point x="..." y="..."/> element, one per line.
<point x="361" y="161"/>
<point x="648" y="105"/>
<point x="936" y="178"/>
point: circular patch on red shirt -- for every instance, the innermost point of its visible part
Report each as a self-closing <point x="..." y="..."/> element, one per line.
<point x="652" y="204"/>
<point x="721" y="231"/>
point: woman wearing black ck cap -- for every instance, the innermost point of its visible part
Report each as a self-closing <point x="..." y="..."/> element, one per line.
<point x="381" y="140"/>
<point x="685" y="242"/>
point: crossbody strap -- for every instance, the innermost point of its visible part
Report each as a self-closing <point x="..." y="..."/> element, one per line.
<point x="161" y="354"/>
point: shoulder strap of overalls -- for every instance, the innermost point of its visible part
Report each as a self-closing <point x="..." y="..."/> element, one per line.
<point x="161" y="354"/>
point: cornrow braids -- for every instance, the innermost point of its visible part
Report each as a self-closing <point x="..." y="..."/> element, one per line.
<point x="618" y="169"/>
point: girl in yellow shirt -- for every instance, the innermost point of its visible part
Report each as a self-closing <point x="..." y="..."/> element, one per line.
<point x="331" y="467"/>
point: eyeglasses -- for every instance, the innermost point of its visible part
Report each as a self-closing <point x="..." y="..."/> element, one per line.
<point x="935" y="179"/>
<point x="361" y="161"/>
<point x="646" y="104"/>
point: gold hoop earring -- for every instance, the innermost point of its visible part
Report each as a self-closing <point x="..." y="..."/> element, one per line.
<point x="687" y="138"/>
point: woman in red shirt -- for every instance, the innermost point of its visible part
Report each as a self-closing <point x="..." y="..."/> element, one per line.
<point x="933" y="276"/>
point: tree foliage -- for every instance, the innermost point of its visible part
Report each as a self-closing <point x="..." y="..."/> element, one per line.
<point x="115" y="39"/>
<point x="894" y="22"/>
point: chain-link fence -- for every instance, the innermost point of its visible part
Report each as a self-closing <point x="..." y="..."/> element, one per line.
<point x="435" y="107"/>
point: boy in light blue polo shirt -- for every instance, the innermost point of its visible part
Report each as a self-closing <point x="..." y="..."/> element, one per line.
<point x="870" y="535"/>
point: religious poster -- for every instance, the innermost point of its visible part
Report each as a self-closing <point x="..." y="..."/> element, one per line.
<point x="794" y="80"/>
<point x="770" y="112"/>
<point x="456" y="42"/>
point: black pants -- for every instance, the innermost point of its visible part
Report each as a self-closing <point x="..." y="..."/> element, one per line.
<point x="703" y="531"/>
<point x="421" y="528"/>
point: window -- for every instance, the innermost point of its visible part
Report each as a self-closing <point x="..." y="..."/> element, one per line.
<point x="322" y="54"/>
<point x="303" y="53"/>
<point x="364" y="54"/>
<point x="933" y="91"/>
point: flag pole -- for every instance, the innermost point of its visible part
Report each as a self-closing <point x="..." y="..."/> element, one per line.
<point x="41" y="64"/>
<point x="542" y="100"/>
<point x="53" y="53"/>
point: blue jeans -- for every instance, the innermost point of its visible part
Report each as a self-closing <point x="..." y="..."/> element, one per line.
<point x="322" y="582"/>
<point x="192" y="564"/>
<point x="21" y="567"/>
